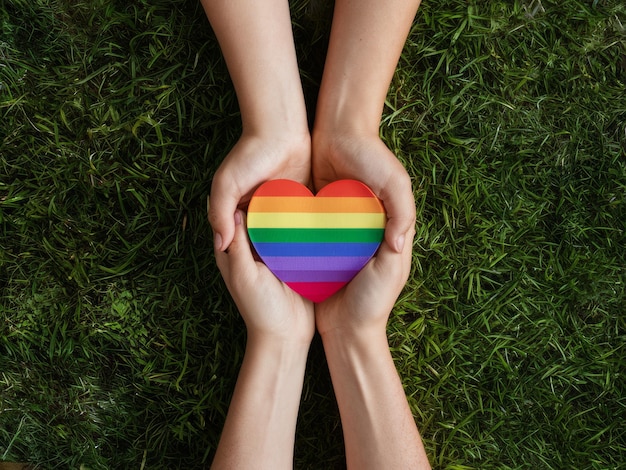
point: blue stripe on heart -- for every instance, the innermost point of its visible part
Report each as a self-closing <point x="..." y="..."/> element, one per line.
<point x="316" y="249"/>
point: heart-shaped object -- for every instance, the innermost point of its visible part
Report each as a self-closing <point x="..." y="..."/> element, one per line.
<point x="315" y="244"/>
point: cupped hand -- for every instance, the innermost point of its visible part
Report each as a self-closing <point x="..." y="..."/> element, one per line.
<point x="252" y="161"/>
<point x="365" y="303"/>
<point x="268" y="306"/>
<point x="367" y="159"/>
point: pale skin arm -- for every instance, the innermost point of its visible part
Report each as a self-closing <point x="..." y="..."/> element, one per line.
<point x="366" y="41"/>
<point x="379" y="428"/>
<point x="260" y="427"/>
<point x="257" y="42"/>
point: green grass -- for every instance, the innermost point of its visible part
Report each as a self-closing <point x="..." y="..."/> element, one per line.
<point x="119" y="345"/>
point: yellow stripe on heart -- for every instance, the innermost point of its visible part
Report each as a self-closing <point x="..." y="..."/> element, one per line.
<point x="316" y="220"/>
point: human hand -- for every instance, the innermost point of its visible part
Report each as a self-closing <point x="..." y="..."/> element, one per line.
<point x="364" y="304"/>
<point x="367" y="159"/>
<point x="268" y="307"/>
<point x="253" y="160"/>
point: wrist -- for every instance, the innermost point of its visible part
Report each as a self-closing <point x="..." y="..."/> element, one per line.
<point x="282" y="352"/>
<point x="280" y="366"/>
<point x="280" y="114"/>
<point x="347" y="106"/>
<point x="352" y="343"/>
<point x="345" y="123"/>
<point x="283" y="130"/>
<point x="289" y="140"/>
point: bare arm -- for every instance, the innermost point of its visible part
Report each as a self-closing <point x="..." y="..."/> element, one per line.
<point x="257" y="42"/>
<point x="261" y="423"/>
<point x="379" y="429"/>
<point x="366" y="41"/>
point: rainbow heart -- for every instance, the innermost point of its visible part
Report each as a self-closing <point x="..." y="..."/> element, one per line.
<point x="315" y="244"/>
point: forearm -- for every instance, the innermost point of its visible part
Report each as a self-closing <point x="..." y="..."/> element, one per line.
<point x="366" y="41"/>
<point x="260" y="426"/>
<point x="379" y="429"/>
<point x="257" y="42"/>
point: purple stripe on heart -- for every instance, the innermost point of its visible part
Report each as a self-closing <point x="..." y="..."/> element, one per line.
<point x="315" y="263"/>
<point x="315" y="276"/>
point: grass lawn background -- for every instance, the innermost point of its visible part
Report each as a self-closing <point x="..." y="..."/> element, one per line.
<point x="119" y="344"/>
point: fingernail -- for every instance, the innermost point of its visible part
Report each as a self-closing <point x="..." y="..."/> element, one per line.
<point x="238" y="219"/>
<point x="400" y="243"/>
<point x="217" y="240"/>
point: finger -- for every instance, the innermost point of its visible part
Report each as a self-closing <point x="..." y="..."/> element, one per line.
<point x="223" y="204"/>
<point x="221" y="259"/>
<point x="400" y="207"/>
<point x="393" y="266"/>
<point x="239" y="251"/>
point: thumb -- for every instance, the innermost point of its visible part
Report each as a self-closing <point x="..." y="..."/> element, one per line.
<point x="400" y="208"/>
<point x="397" y="232"/>
<point x="397" y="197"/>
<point x="392" y="267"/>
<point x="239" y="251"/>
<point x="222" y="207"/>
